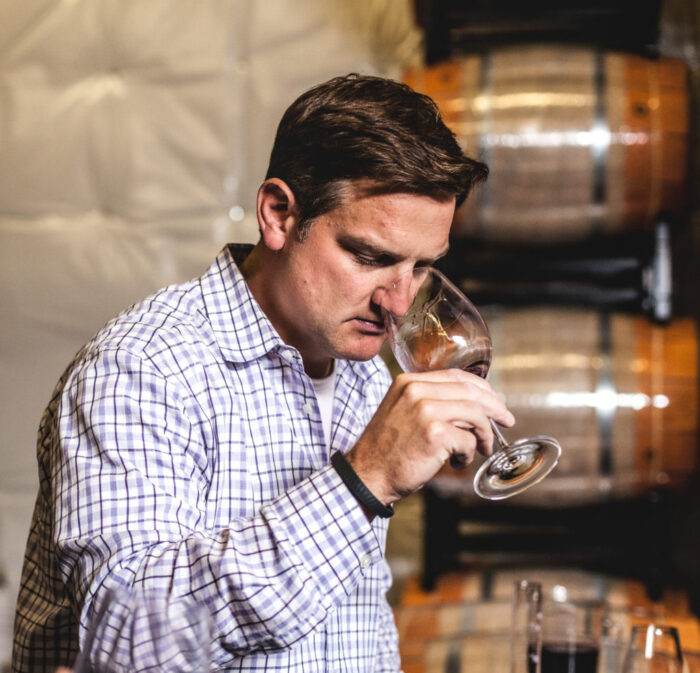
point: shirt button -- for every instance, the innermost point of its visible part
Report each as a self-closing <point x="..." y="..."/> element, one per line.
<point x="365" y="562"/>
<point x="308" y="407"/>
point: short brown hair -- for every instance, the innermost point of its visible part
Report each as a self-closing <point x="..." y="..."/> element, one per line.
<point x="372" y="129"/>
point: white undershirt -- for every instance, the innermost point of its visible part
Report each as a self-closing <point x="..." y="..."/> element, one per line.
<point x="325" y="388"/>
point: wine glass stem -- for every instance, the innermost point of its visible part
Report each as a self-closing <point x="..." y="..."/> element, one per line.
<point x="497" y="432"/>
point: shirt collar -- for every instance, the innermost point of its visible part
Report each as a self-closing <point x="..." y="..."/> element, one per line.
<point x="242" y="331"/>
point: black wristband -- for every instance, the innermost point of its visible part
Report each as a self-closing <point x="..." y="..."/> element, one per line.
<point x="357" y="488"/>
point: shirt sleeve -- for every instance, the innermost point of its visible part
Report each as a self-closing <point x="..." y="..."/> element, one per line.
<point x="131" y="478"/>
<point x="388" y="659"/>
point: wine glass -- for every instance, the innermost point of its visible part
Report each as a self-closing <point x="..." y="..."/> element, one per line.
<point x="146" y="630"/>
<point x="653" y="648"/>
<point x="441" y="330"/>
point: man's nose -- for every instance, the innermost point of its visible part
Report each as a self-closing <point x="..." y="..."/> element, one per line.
<point x="396" y="296"/>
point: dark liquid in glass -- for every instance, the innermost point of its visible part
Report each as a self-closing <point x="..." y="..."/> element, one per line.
<point x="565" y="658"/>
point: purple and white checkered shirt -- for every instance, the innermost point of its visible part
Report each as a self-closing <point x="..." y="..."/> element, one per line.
<point x="183" y="449"/>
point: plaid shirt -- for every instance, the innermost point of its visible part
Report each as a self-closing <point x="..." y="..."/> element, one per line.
<point x="183" y="449"/>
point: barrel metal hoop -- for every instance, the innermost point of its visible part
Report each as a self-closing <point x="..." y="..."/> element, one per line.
<point x="600" y="142"/>
<point x="605" y="411"/>
<point x="484" y="88"/>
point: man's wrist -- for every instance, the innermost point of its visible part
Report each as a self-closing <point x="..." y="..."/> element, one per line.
<point x="370" y="503"/>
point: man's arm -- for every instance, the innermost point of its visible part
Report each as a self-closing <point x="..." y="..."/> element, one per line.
<point x="132" y="482"/>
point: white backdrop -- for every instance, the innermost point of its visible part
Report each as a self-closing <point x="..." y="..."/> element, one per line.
<point x="133" y="135"/>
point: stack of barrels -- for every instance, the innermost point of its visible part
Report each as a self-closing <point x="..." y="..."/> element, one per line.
<point x="581" y="145"/>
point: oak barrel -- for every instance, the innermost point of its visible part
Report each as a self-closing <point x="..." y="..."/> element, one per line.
<point x="620" y="394"/>
<point x="579" y="141"/>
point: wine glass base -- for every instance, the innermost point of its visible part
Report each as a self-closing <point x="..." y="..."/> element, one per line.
<point x="516" y="467"/>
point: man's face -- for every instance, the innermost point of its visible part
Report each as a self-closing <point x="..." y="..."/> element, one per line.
<point x="355" y="260"/>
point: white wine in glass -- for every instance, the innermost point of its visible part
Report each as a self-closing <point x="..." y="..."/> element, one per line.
<point x="443" y="330"/>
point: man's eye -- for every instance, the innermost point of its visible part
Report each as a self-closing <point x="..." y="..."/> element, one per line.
<point x="369" y="261"/>
<point x="373" y="260"/>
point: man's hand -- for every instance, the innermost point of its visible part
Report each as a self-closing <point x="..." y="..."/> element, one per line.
<point x="423" y="420"/>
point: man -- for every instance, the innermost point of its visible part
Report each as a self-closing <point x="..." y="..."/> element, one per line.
<point x="234" y="438"/>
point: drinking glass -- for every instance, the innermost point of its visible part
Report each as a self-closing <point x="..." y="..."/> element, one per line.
<point x="442" y="329"/>
<point x="653" y="648"/>
<point x="551" y="632"/>
<point x="138" y="631"/>
<point x="572" y="632"/>
<point x="526" y="627"/>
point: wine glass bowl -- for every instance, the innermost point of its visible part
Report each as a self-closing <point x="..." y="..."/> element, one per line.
<point x="442" y="329"/>
<point x="653" y="648"/>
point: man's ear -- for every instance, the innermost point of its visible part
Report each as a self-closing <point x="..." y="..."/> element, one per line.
<point x="277" y="212"/>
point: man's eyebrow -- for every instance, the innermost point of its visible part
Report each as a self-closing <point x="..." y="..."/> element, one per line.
<point x="360" y="245"/>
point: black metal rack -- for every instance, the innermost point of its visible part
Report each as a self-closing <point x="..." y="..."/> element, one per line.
<point x="627" y="272"/>
<point x="625" y="538"/>
<point x="456" y="26"/>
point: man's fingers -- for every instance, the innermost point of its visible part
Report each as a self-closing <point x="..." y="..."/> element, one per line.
<point x="455" y="385"/>
<point x="461" y="442"/>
